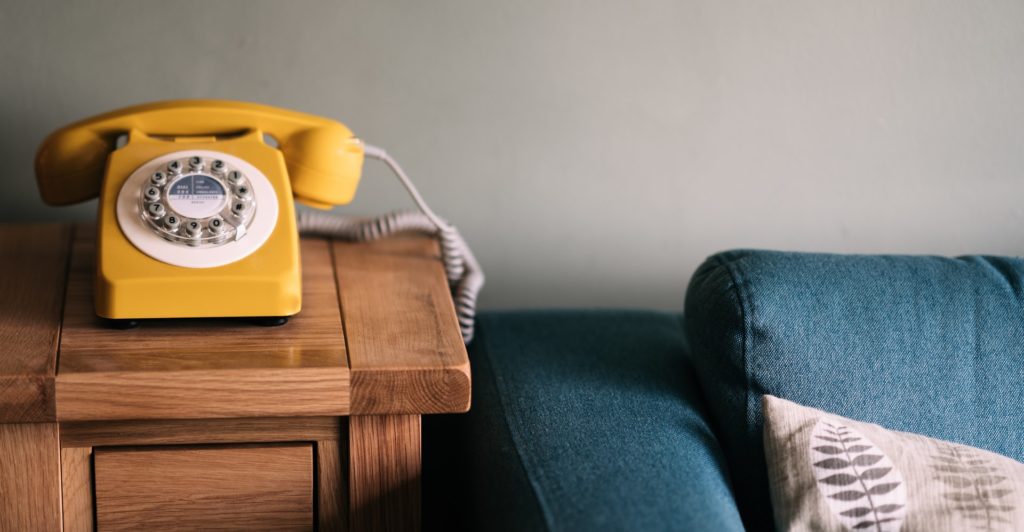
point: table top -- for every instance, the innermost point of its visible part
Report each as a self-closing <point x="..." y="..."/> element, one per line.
<point x="377" y="334"/>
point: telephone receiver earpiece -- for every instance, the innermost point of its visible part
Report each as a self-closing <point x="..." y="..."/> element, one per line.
<point x="323" y="157"/>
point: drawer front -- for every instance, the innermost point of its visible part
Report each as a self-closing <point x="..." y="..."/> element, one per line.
<point x="252" y="487"/>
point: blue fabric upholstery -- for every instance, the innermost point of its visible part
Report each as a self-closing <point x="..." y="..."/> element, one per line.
<point x="921" y="344"/>
<point x="584" y="420"/>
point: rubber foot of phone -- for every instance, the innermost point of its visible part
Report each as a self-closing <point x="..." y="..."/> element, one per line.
<point x="271" y="321"/>
<point x="120" y="324"/>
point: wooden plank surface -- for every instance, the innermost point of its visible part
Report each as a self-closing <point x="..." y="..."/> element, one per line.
<point x="187" y="369"/>
<point x="33" y="270"/>
<point x="404" y="344"/>
<point x="210" y="394"/>
<point x="261" y="487"/>
<point x="193" y="431"/>
<point x="404" y="353"/>
<point x="29" y="477"/>
<point x="385" y="468"/>
<point x="76" y="486"/>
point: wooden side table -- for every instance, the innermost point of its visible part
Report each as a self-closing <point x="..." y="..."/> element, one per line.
<point x="222" y="424"/>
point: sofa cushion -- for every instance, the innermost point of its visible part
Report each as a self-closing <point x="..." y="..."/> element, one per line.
<point x="584" y="420"/>
<point x="919" y="344"/>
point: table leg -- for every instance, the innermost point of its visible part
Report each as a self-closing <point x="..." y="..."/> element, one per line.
<point x="30" y="477"/>
<point x="384" y="472"/>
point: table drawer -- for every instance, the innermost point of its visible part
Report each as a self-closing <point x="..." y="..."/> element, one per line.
<point x="250" y="487"/>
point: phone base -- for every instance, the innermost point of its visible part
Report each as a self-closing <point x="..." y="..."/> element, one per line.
<point x="130" y="284"/>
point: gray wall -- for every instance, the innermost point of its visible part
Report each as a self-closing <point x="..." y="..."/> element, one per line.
<point x="592" y="152"/>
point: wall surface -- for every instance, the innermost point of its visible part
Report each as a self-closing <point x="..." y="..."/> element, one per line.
<point x="592" y="152"/>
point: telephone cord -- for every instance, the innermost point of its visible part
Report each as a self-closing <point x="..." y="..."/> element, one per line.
<point x="465" y="276"/>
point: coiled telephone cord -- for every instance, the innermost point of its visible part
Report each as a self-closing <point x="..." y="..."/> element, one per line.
<point x="465" y="277"/>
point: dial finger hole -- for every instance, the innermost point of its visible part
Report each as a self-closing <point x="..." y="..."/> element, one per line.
<point x="216" y="225"/>
<point x="193" y="228"/>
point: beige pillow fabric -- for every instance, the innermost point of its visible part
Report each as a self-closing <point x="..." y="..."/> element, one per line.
<point x="827" y="472"/>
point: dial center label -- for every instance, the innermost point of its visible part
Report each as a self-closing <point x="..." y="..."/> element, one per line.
<point x="196" y="196"/>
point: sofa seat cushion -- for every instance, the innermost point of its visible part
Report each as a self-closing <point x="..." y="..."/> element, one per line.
<point x="585" y="420"/>
<point x="928" y="345"/>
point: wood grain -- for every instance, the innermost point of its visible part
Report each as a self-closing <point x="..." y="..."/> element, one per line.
<point x="264" y="487"/>
<point x="196" y="431"/>
<point x="29" y="477"/>
<point x="332" y="491"/>
<point x="76" y="487"/>
<point x="404" y="344"/>
<point x="187" y="369"/>
<point x="220" y="394"/>
<point x="385" y="464"/>
<point x="33" y="270"/>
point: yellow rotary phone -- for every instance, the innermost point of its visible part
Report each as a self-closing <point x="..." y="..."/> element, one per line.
<point x="195" y="211"/>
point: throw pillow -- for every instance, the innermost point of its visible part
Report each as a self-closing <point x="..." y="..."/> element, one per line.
<point x="828" y="472"/>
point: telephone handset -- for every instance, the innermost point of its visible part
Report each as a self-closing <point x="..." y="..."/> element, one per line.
<point x="323" y="157"/>
<point x="196" y="217"/>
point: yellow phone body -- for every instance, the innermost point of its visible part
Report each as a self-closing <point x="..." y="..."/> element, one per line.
<point x="318" y="162"/>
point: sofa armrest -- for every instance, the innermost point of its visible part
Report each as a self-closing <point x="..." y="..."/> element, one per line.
<point x="582" y="420"/>
<point x="921" y="344"/>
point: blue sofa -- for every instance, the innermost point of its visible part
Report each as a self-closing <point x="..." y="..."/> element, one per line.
<point x="636" y="420"/>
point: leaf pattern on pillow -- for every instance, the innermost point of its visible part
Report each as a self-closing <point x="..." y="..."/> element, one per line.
<point x="975" y="486"/>
<point x="859" y="482"/>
